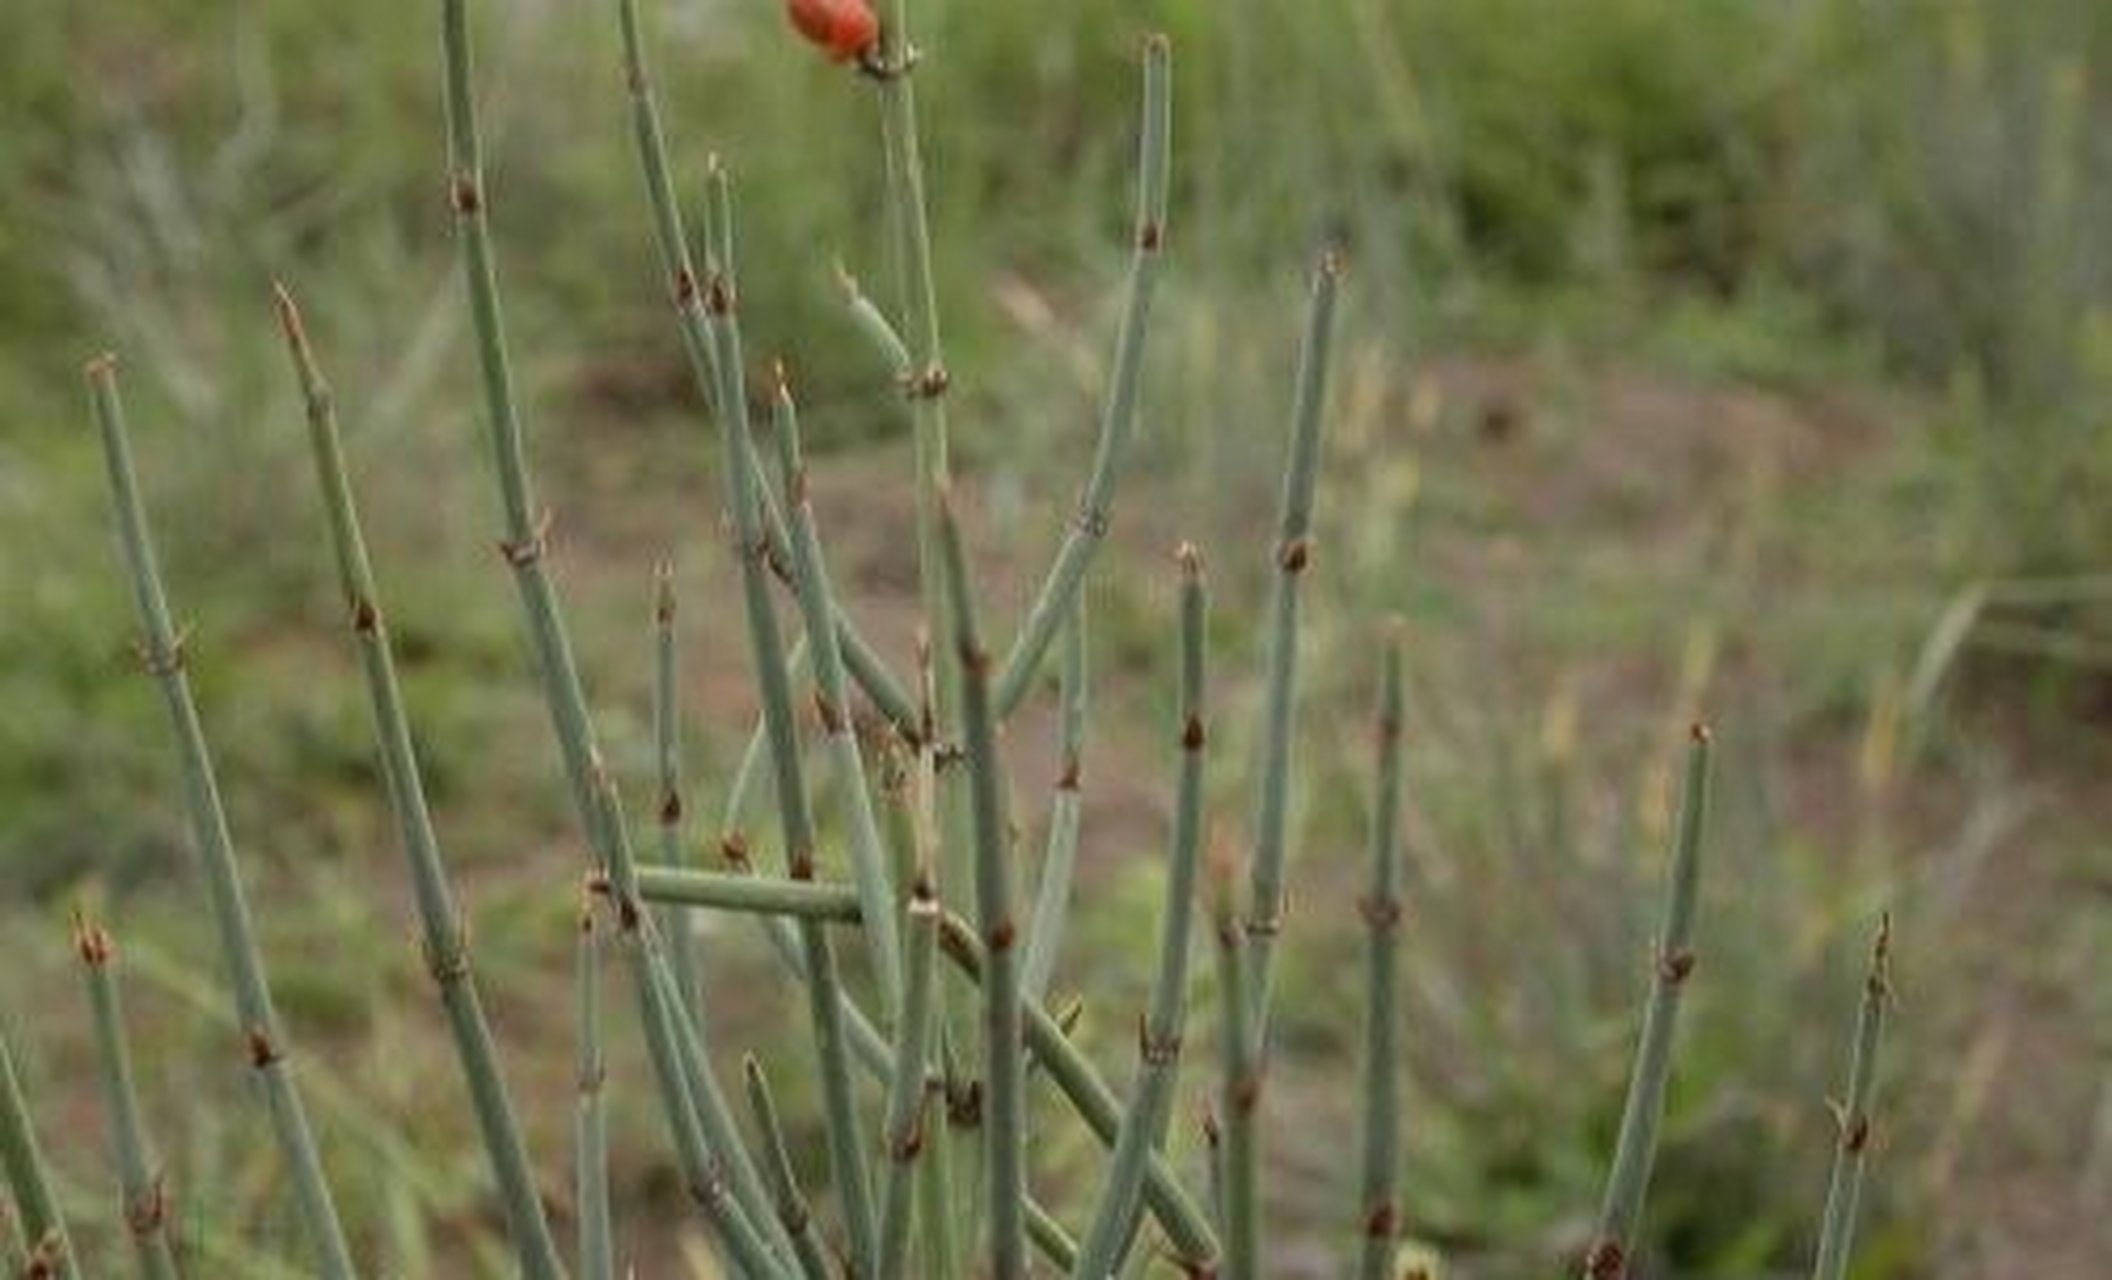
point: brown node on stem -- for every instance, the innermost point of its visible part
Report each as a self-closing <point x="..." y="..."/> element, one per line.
<point x="144" y="1216"/>
<point x="1383" y="1221"/>
<point x="1607" y="1260"/>
<point x="523" y="552"/>
<point x="1295" y="555"/>
<point x="262" y="1051"/>
<point x="1070" y="776"/>
<point x="1002" y="935"/>
<point x="1380" y="913"/>
<point x="1151" y="236"/>
<point x="366" y="617"/>
<point x="1156" y="1051"/>
<point x="830" y="715"/>
<point x="465" y="195"/>
<point x="163" y="662"/>
<point x="91" y="941"/>
<point x="670" y="808"/>
<point x="1193" y="735"/>
<point x="733" y="848"/>
<point x="1675" y="967"/>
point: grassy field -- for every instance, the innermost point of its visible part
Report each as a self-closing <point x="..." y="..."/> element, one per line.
<point x="1751" y="363"/>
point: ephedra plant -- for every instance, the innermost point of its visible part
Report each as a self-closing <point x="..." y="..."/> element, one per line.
<point x="926" y="1062"/>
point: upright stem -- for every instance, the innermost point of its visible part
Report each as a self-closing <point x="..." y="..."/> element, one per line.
<point x="1066" y="576"/>
<point x="1052" y="892"/>
<point x="1159" y="1033"/>
<point x="792" y="1208"/>
<point x="445" y="938"/>
<point x="1844" y="1187"/>
<point x="689" y="1095"/>
<point x="1293" y="556"/>
<point x="1382" y="909"/>
<point x="1238" y="1091"/>
<point x="667" y="762"/>
<point x="767" y="651"/>
<point x="161" y="650"/>
<point x="146" y="1194"/>
<point x="1004" y="1118"/>
<point x="590" y="1123"/>
<point x="43" y="1227"/>
<point x="1636" y="1149"/>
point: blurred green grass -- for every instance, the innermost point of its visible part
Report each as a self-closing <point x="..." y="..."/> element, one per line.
<point x="1703" y="360"/>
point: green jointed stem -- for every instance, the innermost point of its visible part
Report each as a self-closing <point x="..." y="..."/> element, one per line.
<point x="1844" y="1187"/>
<point x="43" y="1229"/>
<point x="1073" y="1074"/>
<point x="689" y="1095"/>
<point x="590" y="1120"/>
<point x="908" y="1104"/>
<point x="265" y="1046"/>
<point x="1004" y="1116"/>
<point x="1239" y="1088"/>
<point x="445" y="939"/>
<point x="667" y="763"/>
<point x="1379" y="1210"/>
<point x="139" y="1176"/>
<point x="754" y="894"/>
<point x="869" y="855"/>
<point x="1293" y="555"/>
<point x="1048" y="1235"/>
<point x="1118" y="421"/>
<point x="767" y="650"/>
<point x="792" y="1208"/>
<point x="1052" y="893"/>
<point x="1636" y="1147"/>
<point x="861" y="659"/>
<point x="1107" y="1236"/>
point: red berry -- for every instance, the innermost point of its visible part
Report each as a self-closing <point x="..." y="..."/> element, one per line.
<point x="846" y="29"/>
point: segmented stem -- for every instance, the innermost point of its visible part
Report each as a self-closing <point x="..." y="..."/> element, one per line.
<point x="689" y="1094"/>
<point x="869" y="855"/>
<point x="1239" y="1088"/>
<point x="1004" y="1117"/>
<point x="43" y="1227"/>
<point x="1382" y="910"/>
<point x="445" y="938"/>
<point x="161" y="651"/>
<point x="908" y="1110"/>
<point x="792" y="1207"/>
<point x="667" y="768"/>
<point x="1060" y="589"/>
<point x="140" y="1181"/>
<point x="1159" y="1033"/>
<point x="1293" y="554"/>
<point x="1851" y="1155"/>
<point x="767" y="651"/>
<point x="590" y="1120"/>
<point x="1052" y="893"/>
<point x="1626" y="1184"/>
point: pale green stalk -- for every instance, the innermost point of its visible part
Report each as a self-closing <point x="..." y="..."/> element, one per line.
<point x="861" y="659"/>
<point x="667" y="764"/>
<point x="792" y="1207"/>
<point x="1238" y="1093"/>
<point x="1293" y="555"/>
<point x="140" y="1180"/>
<point x="161" y="650"/>
<point x="767" y="651"/>
<point x="1045" y="1233"/>
<point x="445" y="937"/>
<point x="1107" y="1236"/>
<point x="908" y="1117"/>
<point x="1052" y="894"/>
<point x="590" y="1120"/>
<point x="1060" y="589"/>
<point x="43" y="1228"/>
<point x="869" y="854"/>
<point x="1614" y="1245"/>
<point x="1004" y="1114"/>
<point x="1380" y="1208"/>
<point x="1070" y="1070"/>
<point x="1844" y="1187"/>
<point x="690" y="1097"/>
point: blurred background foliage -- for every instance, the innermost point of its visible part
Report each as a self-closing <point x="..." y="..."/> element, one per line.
<point x="1750" y="359"/>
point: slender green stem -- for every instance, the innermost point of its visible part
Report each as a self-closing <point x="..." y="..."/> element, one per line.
<point x="690" y="1097"/>
<point x="1380" y="1208"/>
<point x="1060" y="589"/>
<point x="1293" y="555"/>
<point x="590" y="1120"/>
<point x="162" y="652"/>
<point x="1636" y="1148"/>
<point x="667" y="764"/>
<point x="1048" y="1235"/>
<point x="1239" y="1089"/>
<point x="444" y="935"/>
<point x="1844" y="1187"/>
<point x="862" y="661"/>
<point x="1052" y="893"/>
<point x="44" y="1232"/>
<point x="139" y="1175"/>
<point x="767" y="651"/>
<point x="908" y="1112"/>
<point x="752" y="894"/>
<point x="1159" y="1035"/>
<point x="792" y="1208"/>
<point x="869" y="855"/>
<point x="1004" y="1116"/>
